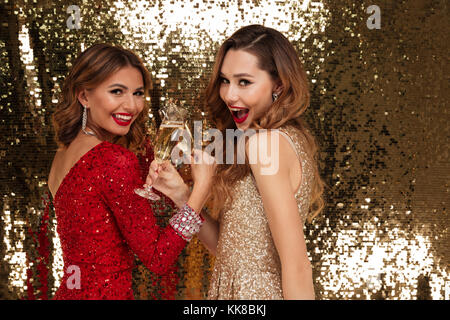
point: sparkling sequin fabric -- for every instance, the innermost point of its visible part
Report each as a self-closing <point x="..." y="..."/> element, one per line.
<point x="102" y="222"/>
<point x="247" y="264"/>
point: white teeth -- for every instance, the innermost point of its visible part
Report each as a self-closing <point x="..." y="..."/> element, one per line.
<point x="125" y="118"/>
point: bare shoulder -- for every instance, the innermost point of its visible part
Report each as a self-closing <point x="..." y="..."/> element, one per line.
<point x="273" y="144"/>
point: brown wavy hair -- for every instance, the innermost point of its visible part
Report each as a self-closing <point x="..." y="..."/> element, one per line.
<point x="90" y="68"/>
<point x="277" y="56"/>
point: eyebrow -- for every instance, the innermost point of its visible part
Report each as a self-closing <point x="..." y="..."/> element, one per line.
<point x="122" y="86"/>
<point x="239" y="75"/>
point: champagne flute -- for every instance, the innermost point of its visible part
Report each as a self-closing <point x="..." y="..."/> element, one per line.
<point x="167" y="141"/>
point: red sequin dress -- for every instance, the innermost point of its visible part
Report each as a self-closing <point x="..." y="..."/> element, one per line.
<point x="101" y="223"/>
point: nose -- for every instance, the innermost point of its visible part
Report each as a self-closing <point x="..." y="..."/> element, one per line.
<point x="230" y="94"/>
<point x="130" y="105"/>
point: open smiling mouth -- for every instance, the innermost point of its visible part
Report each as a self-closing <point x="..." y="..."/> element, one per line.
<point x="239" y="114"/>
<point x="122" y="119"/>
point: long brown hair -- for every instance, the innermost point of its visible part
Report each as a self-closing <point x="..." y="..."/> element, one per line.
<point x="90" y="68"/>
<point x="277" y="56"/>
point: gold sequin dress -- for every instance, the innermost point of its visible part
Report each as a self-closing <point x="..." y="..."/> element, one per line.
<point x="247" y="264"/>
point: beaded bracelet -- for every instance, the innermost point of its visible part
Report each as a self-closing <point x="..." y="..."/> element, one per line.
<point x="186" y="222"/>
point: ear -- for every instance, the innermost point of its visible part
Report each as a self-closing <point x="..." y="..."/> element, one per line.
<point x="277" y="87"/>
<point x="82" y="97"/>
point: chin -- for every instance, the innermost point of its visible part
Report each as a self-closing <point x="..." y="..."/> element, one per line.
<point x="244" y="126"/>
<point x="118" y="132"/>
<point x="123" y="133"/>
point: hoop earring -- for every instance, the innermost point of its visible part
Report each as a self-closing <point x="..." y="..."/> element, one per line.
<point x="274" y="97"/>
<point x="84" y="122"/>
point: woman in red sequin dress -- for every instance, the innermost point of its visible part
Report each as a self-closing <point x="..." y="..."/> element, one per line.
<point x="101" y="222"/>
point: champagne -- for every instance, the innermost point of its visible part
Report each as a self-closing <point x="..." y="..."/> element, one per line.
<point x="166" y="140"/>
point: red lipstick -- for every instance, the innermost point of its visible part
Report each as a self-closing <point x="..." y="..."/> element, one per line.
<point x="122" y="122"/>
<point x="237" y="116"/>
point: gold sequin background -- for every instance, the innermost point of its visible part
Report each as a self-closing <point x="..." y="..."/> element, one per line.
<point x="379" y="109"/>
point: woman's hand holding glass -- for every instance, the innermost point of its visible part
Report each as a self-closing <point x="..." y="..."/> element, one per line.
<point x="165" y="178"/>
<point x="203" y="168"/>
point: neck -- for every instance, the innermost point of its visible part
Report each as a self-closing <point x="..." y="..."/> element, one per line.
<point x="88" y="132"/>
<point x="100" y="134"/>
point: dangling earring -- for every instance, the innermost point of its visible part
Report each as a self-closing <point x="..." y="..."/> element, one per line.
<point x="274" y="97"/>
<point x="84" y="122"/>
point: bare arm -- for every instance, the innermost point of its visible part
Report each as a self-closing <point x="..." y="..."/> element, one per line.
<point x="209" y="233"/>
<point x="283" y="216"/>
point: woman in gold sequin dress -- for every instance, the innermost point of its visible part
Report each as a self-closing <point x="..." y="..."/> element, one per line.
<point x="258" y="82"/>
